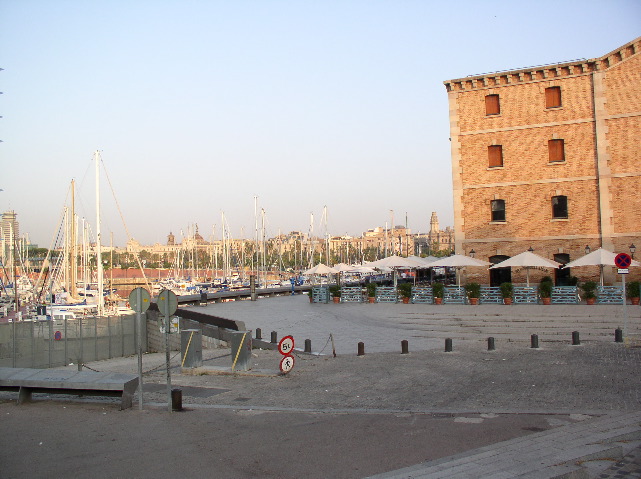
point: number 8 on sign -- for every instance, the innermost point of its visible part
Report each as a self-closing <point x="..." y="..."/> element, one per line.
<point x="286" y="345"/>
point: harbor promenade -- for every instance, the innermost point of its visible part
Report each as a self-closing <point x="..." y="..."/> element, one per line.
<point x="560" y="410"/>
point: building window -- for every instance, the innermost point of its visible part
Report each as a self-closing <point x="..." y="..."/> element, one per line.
<point x="492" y="105"/>
<point x="560" y="207"/>
<point x="495" y="155"/>
<point x="553" y="97"/>
<point x="498" y="210"/>
<point x="556" y="149"/>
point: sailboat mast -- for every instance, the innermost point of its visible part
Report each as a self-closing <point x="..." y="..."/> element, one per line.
<point x="73" y="264"/>
<point x="101" y="298"/>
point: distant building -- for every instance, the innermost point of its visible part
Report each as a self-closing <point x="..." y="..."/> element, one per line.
<point x="548" y="158"/>
<point x="10" y="233"/>
<point x="436" y="239"/>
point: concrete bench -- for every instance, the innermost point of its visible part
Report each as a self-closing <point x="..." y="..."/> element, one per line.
<point x="86" y="383"/>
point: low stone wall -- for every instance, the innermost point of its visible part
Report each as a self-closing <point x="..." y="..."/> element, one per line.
<point x="212" y="336"/>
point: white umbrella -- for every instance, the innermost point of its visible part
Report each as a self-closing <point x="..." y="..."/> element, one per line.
<point x="342" y="267"/>
<point x="601" y="257"/>
<point x="422" y="262"/>
<point x="361" y="269"/>
<point x="320" y="268"/>
<point x="527" y="260"/>
<point x="392" y="262"/>
<point x="458" y="261"/>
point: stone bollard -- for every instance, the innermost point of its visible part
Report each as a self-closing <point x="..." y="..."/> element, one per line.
<point x="361" y="349"/>
<point x="448" y="345"/>
<point x="575" y="338"/>
<point x="534" y="341"/>
<point x="405" y="347"/>
<point x="274" y="339"/>
<point x="308" y="345"/>
<point x="618" y="335"/>
<point x="259" y="333"/>
<point x="490" y="344"/>
<point x="176" y="399"/>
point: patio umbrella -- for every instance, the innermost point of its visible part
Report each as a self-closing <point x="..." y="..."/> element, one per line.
<point x="392" y="262"/>
<point x="320" y="268"/>
<point x="458" y="261"/>
<point x="342" y="267"/>
<point x="422" y="262"/>
<point x="527" y="260"/>
<point x="601" y="257"/>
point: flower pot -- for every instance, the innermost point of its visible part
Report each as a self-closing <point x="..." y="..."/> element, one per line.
<point x="406" y="300"/>
<point x="634" y="300"/>
<point x="371" y="299"/>
<point x="590" y="300"/>
<point x="336" y="299"/>
<point x="507" y="300"/>
<point x="438" y="300"/>
<point x="474" y="301"/>
<point x="546" y="300"/>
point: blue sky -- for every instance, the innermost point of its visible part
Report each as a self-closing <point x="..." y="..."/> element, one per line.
<point x="198" y="106"/>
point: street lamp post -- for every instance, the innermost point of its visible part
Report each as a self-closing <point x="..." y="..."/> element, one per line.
<point x="632" y="249"/>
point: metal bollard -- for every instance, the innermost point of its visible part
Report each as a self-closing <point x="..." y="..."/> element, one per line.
<point x="176" y="399"/>
<point x="274" y="339"/>
<point x="618" y="335"/>
<point x="308" y="345"/>
<point x="405" y="347"/>
<point x="259" y="333"/>
<point x="361" y="349"/>
<point x="490" y="344"/>
<point x="575" y="338"/>
<point x="534" y="341"/>
<point x="448" y="345"/>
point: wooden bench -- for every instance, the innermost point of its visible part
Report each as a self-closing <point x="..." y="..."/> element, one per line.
<point x="55" y="381"/>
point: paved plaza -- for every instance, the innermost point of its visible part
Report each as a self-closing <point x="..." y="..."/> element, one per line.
<point x="558" y="410"/>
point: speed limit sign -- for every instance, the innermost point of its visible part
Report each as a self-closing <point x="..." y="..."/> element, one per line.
<point x="286" y="345"/>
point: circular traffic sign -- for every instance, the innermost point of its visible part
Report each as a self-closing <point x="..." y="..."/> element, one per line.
<point x="286" y="364"/>
<point x="139" y="300"/>
<point x="286" y="345"/>
<point x="623" y="260"/>
<point x="57" y="335"/>
<point x="167" y="302"/>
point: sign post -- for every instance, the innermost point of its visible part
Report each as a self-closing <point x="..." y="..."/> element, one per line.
<point x="167" y="304"/>
<point x="623" y="262"/>
<point x="285" y="347"/>
<point x="139" y="302"/>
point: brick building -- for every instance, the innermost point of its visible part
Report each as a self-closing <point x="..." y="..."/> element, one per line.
<point x="548" y="157"/>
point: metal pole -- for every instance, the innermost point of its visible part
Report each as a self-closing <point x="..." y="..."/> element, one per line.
<point x="168" y="360"/>
<point x="625" y="312"/>
<point x="139" y="338"/>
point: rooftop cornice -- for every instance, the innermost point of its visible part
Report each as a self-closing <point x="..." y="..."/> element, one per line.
<point x="545" y="72"/>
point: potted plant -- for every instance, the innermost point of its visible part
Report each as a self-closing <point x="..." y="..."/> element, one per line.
<point x="632" y="290"/>
<point x="405" y="290"/>
<point x="545" y="290"/>
<point x="438" y="289"/>
<point x="589" y="290"/>
<point x="506" y="292"/>
<point x="473" y="292"/>
<point x="371" y="292"/>
<point x="311" y="296"/>
<point x="335" y="291"/>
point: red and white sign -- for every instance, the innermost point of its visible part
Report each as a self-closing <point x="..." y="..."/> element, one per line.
<point x="286" y="364"/>
<point x="286" y="345"/>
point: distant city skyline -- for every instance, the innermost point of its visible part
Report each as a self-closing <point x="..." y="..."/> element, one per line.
<point x="198" y="107"/>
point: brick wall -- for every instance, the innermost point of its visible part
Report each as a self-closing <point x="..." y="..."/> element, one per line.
<point x="600" y="123"/>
